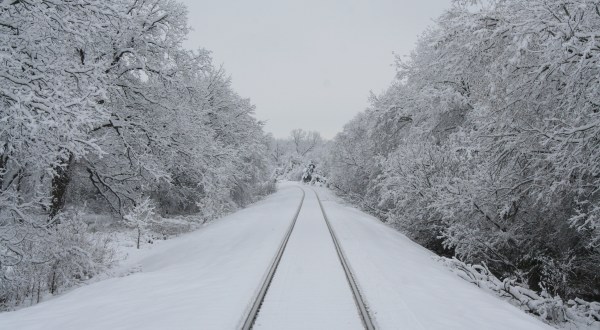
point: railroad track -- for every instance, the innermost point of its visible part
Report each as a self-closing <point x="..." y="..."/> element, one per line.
<point x="363" y="311"/>
<point x="260" y="297"/>
<point x="358" y="299"/>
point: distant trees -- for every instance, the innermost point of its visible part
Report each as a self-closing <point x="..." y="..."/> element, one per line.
<point x="487" y="145"/>
<point x="99" y="103"/>
<point x="305" y="142"/>
<point x="290" y="157"/>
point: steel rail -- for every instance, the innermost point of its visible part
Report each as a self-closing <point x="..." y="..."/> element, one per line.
<point x="363" y="311"/>
<point x="260" y="297"/>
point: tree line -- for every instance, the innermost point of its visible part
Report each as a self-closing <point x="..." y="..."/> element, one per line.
<point x="291" y="156"/>
<point x="486" y="146"/>
<point x="100" y="105"/>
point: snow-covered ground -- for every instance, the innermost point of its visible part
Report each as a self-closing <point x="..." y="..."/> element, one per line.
<point x="309" y="290"/>
<point x="202" y="280"/>
<point x="207" y="279"/>
<point x="405" y="288"/>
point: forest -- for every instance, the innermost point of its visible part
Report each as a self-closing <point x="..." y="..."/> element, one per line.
<point x="102" y="111"/>
<point x="486" y="146"/>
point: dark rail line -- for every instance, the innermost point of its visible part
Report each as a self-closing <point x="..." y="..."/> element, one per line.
<point x="360" y="303"/>
<point x="260" y="297"/>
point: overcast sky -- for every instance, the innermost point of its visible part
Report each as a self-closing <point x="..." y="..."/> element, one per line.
<point x="309" y="64"/>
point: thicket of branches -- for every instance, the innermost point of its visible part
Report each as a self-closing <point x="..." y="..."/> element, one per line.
<point x="100" y="104"/>
<point x="487" y="145"/>
<point x="291" y="156"/>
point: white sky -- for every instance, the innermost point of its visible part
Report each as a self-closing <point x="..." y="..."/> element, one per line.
<point x="309" y="64"/>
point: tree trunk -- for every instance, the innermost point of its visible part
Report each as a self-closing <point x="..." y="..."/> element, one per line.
<point x="138" y="238"/>
<point x="59" y="187"/>
<point x="38" y="291"/>
<point x="53" y="282"/>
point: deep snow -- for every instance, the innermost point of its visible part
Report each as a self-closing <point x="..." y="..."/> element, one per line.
<point x="207" y="279"/>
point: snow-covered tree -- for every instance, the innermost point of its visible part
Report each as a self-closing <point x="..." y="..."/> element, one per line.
<point x="486" y="146"/>
<point x="140" y="218"/>
<point x="292" y="155"/>
<point x="100" y="104"/>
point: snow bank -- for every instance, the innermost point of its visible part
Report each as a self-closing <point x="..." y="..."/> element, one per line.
<point x="573" y="314"/>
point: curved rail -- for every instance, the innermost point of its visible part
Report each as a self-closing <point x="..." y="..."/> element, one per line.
<point x="260" y="297"/>
<point x="358" y="299"/>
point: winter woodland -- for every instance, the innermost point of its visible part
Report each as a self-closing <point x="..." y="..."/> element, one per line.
<point x="104" y="112"/>
<point x="485" y="147"/>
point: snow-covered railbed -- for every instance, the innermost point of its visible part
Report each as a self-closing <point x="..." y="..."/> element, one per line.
<point x="208" y="279"/>
<point x="309" y="290"/>
<point x="405" y="288"/>
<point x="202" y="280"/>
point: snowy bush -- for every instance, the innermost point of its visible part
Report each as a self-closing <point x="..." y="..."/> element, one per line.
<point x="140" y="218"/>
<point x="63" y="255"/>
<point x="575" y="313"/>
<point x="169" y="227"/>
